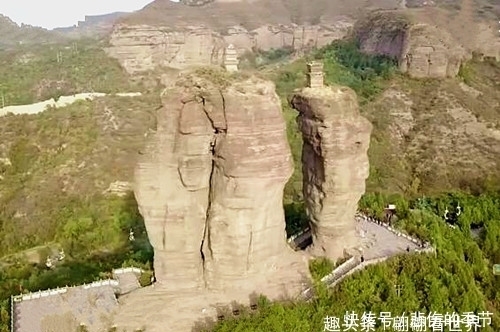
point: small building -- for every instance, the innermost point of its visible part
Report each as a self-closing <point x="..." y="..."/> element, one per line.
<point x="315" y="74"/>
<point x="390" y="211"/>
<point x="231" y="59"/>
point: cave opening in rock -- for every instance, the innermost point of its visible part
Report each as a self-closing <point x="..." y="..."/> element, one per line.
<point x="297" y="225"/>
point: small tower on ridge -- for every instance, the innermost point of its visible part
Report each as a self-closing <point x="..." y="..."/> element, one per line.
<point x="231" y="59"/>
<point x="315" y="74"/>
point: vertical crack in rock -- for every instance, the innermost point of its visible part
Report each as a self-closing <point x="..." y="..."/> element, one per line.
<point x="206" y="229"/>
<point x="220" y="160"/>
<point x="224" y="112"/>
<point x="219" y="128"/>
<point x="249" y="249"/>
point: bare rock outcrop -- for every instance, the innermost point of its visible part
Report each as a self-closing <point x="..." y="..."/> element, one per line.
<point x="422" y="50"/>
<point x="210" y="187"/>
<point x="334" y="163"/>
<point x="195" y="32"/>
<point x="144" y="47"/>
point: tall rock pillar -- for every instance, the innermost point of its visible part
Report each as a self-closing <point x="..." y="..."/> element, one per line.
<point x="334" y="163"/>
<point x="210" y="187"/>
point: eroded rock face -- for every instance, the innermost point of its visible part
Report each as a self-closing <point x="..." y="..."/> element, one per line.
<point x="334" y="163"/>
<point x="143" y="47"/>
<point x="210" y="185"/>
<point x="421" y="50"/>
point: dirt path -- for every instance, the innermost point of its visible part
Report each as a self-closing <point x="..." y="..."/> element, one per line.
<point x="61" y="102"/>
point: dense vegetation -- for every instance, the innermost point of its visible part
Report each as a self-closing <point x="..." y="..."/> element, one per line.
<point x="56" y="176"/>
<point x="35" y="73"/>
<point x="458" y="279"/>
<point x="260" y="58"/>
<point x="343" y="65"/>
<point x="85" y="237"/>
<point x="93" y="228"/>
<point x="53" y="180"/>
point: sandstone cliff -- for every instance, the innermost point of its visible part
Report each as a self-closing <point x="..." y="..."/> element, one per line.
<point x="144" y="47"/>
<point x="421" y="50"/>
<point x="210" y="187"/>
<point x="334" y="163"/>
<point x="180" y="35"/>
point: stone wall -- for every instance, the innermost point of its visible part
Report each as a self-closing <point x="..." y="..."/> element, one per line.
<point x="128" y="270"/>
<point x="44" y="295"/>
<point x="57" y="291"/>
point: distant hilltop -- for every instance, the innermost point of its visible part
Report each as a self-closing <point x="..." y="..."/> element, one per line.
<point x="13" y="34"/>
<point x="93" y="25"/>
<point x="104" y="19"/>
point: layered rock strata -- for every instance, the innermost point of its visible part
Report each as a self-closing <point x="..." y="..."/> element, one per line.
<point x="421" y="50"/>
<point x="334" y="164"/>
<point x="142" y="47"/>
<point x="210" y="187"/>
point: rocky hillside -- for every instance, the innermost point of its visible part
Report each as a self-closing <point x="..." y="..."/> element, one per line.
<point x="485" y="8"/>
<point x="474" y="24"/>
<point x="189" y="33"/>
<point x="250" y="14"/>
<point x="421" y="50"/>
<point x="177" y="35"/>
<point x="434" y="135"/>
<point x="13" y="34"/>
<point x="96" y="26"/>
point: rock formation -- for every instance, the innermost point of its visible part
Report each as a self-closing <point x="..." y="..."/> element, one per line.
<point x="421" y="50"/>
<point x="143" y="47"/>
<point x="195" y="32"/>
<point x="334" y="164"/>
<point x="210" y="187"/>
